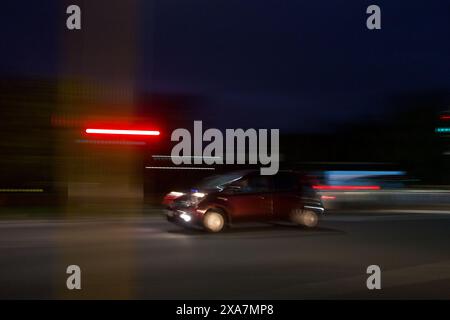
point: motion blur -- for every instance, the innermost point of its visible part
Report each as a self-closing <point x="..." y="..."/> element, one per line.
<point x="361" y="132"/>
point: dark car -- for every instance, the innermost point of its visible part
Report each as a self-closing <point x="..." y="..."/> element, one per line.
<point x="245" y="196"/>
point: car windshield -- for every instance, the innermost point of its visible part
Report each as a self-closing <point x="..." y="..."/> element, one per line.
<point x="217" y="181"/>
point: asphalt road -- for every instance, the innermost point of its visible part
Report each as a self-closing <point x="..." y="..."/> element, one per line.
<point x="146" y="257"/>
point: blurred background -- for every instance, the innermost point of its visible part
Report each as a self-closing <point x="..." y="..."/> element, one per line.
<point x="371" y="105"/>
<point x="366" y="113"/>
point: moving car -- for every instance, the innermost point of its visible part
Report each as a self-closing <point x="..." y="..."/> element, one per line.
<point x="245" y="196"/>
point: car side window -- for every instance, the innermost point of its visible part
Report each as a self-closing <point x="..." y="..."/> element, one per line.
<point x="254" y="184"/>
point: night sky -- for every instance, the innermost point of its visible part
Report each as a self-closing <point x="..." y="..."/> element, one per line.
<point x="295" y="65"/>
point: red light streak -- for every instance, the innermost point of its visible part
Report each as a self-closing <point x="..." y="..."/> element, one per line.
<point x="322" y="187"/>
<point x="445" y="117"/>
<point x="328" y="197"/>
<point x="124" y="132"/>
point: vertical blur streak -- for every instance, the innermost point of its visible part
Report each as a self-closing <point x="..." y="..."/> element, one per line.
<point x="98" y="80"/>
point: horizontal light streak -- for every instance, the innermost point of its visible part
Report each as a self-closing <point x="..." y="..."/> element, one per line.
<point x="124" y="132"/>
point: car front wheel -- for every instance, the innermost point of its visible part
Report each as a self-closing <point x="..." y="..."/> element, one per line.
<point x="214" y="221"/>
<point x="304" y="217"/>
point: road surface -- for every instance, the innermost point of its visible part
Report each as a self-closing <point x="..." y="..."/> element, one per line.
<point x="145" y="257"/>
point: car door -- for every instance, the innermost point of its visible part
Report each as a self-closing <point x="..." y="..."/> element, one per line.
<point x="252" y="199"/>
<point x="286" y="195"/>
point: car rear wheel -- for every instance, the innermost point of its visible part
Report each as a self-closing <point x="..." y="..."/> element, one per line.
<point x="214" y="221"/>
<point x="305" y="217"/>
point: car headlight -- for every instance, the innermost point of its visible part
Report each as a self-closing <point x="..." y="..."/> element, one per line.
<point x="185" y="217"/>
<point x="199" y="195"/>
<point x="175" y="194"/>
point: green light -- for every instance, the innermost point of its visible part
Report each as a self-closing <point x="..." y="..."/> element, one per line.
<point x="442" y="130"/>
